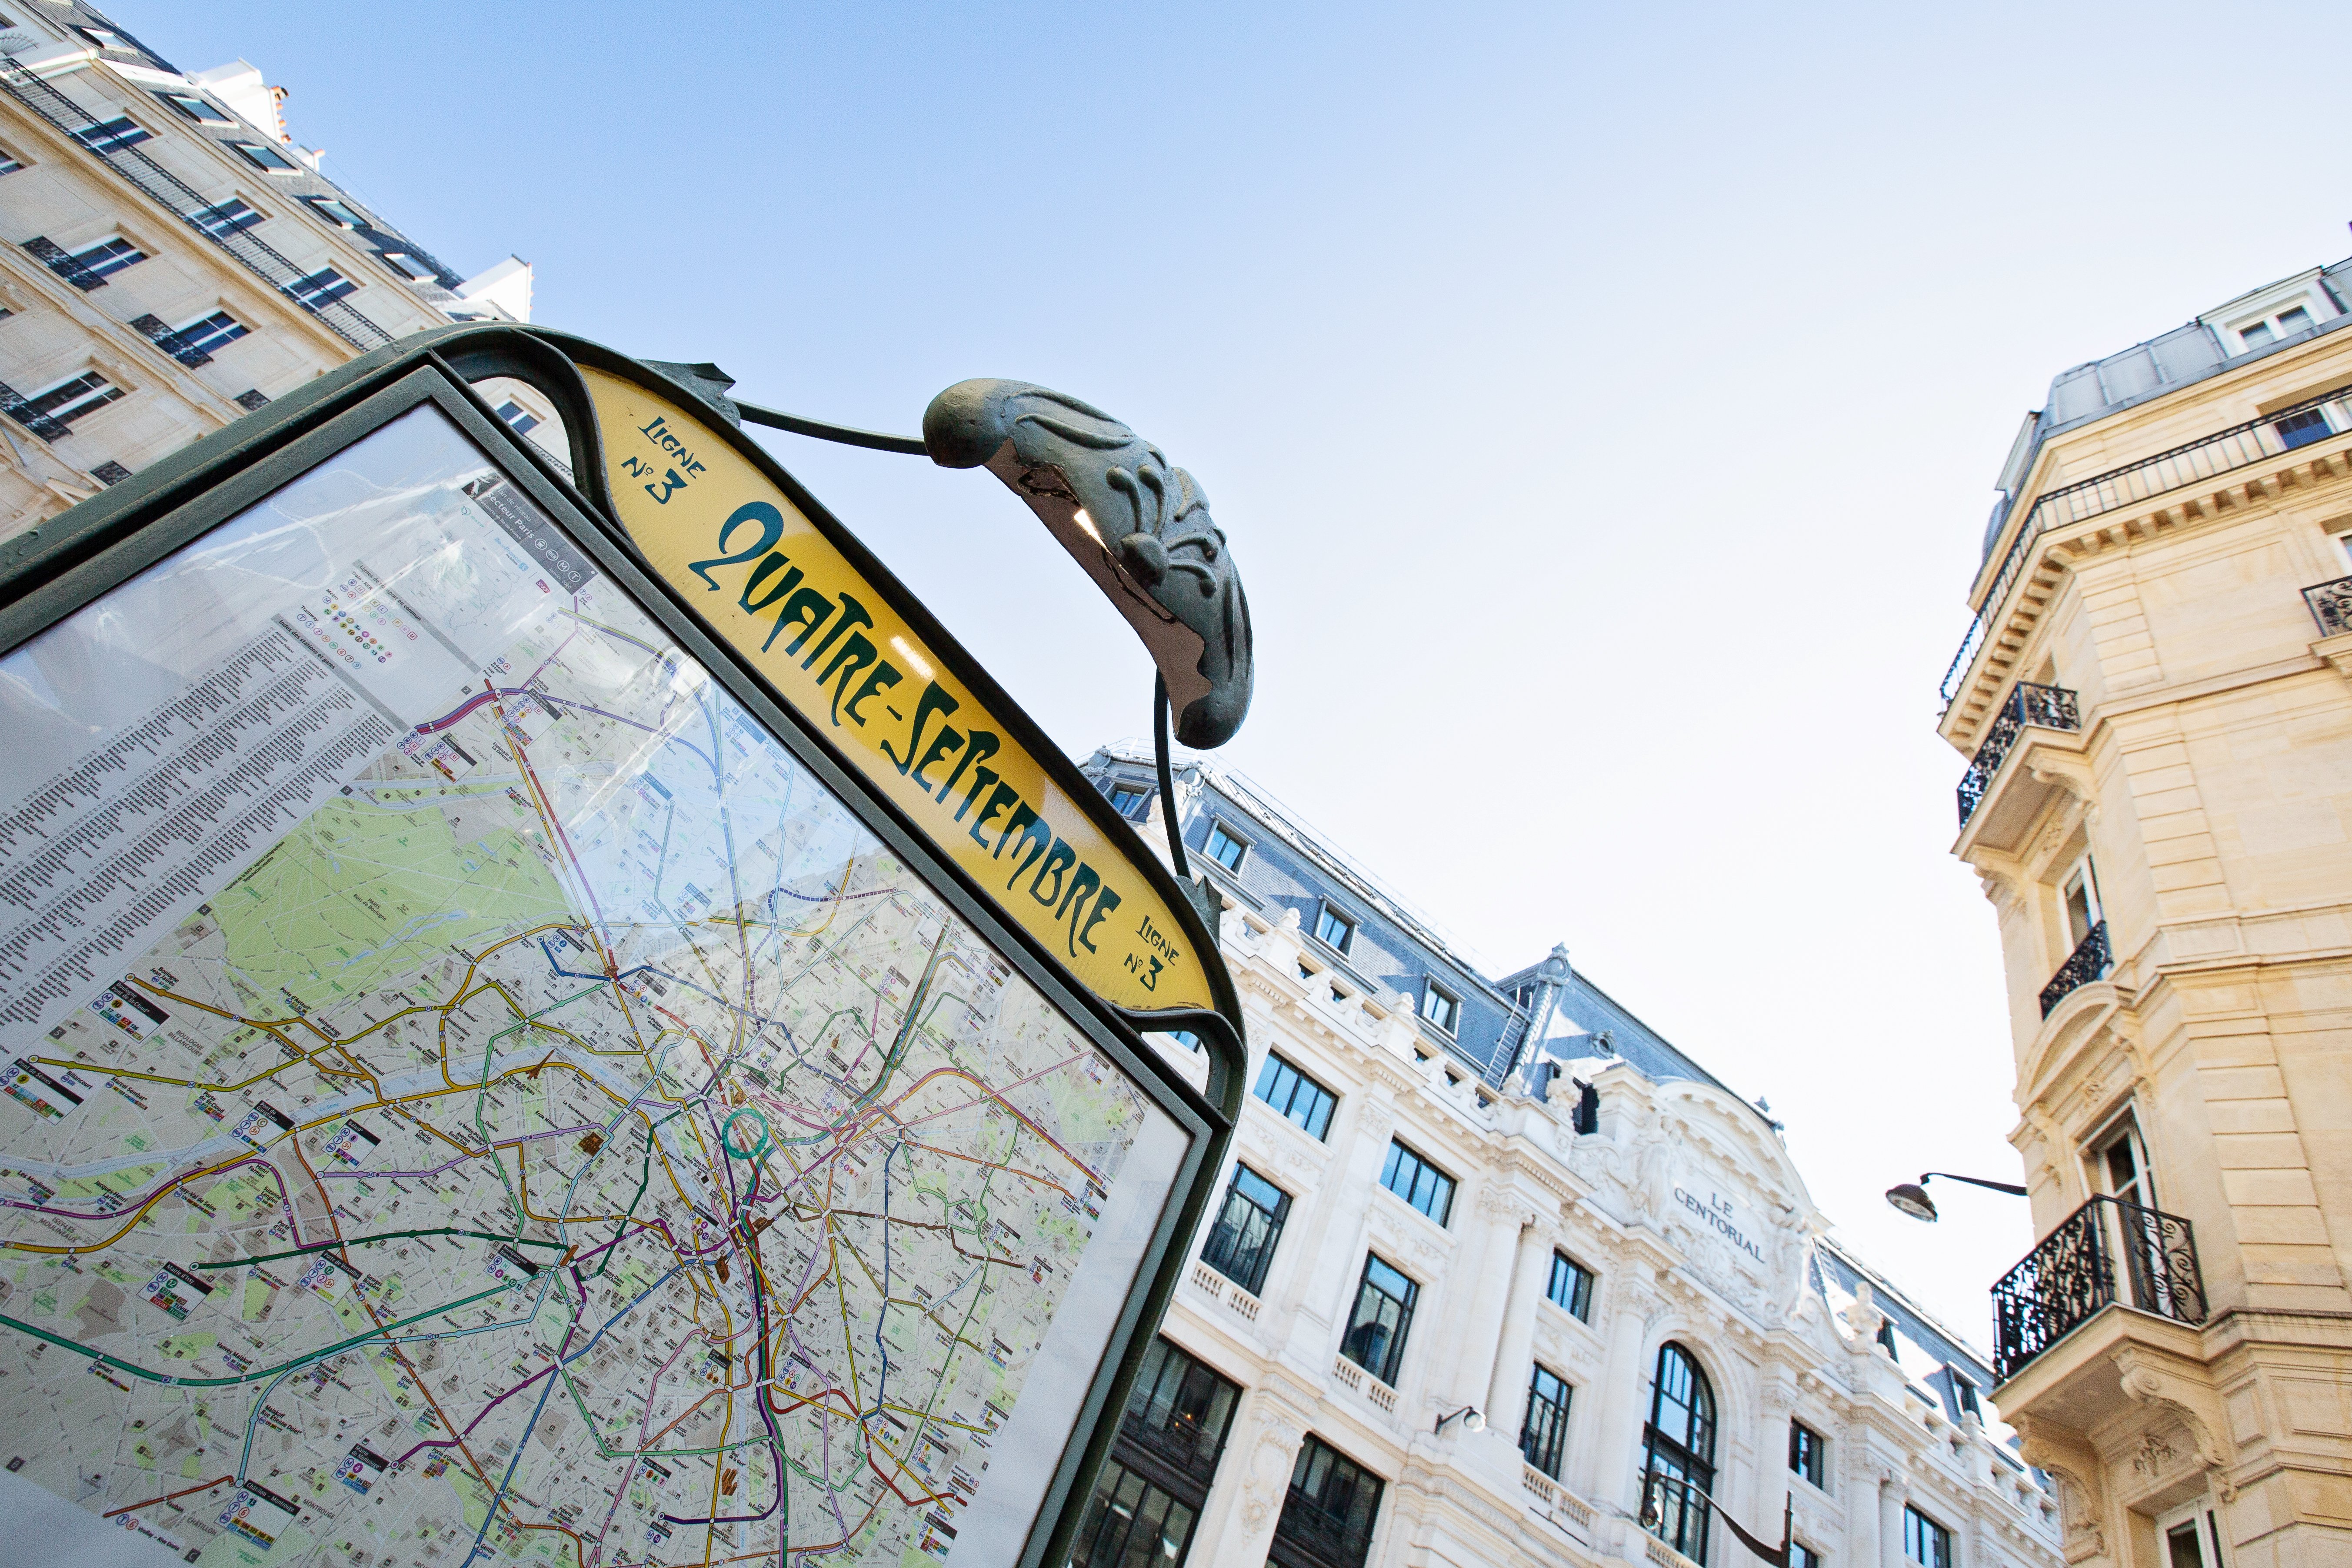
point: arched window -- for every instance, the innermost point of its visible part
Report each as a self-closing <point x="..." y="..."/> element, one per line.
<point x="1678" y="1452"/>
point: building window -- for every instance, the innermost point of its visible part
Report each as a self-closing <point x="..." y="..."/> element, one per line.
<point x="225" y="218"/>
<point x="1803" y="1556"/>
<point x="1440" y="1008"/>
<point x="1678" y="1452"/>
<point x="1334" y="930"/>
<point x="1544" y="1432"/>
<point x="210" y="334"/>
<point x="1418" y="1183"/>
<point x="1160" y="1469"/>
<point x="1186" y="1038"/>
<point x="2187" y="1543"/>
<point x="339" y="214"/>
<point x="1183" y="1406"/>
<point x="200" y="109"/>
<point x="2119" y="1164"/>
<point x="1224" y="848"/>
<point x="263" y="156"/>
<point x="1130" y="1521"/>
<point x="1130" y="802"/>
<point x="9" y="162"/>
<point x="108" y="257"/>
<point x="1240" y="1244"/>
<point x="1807" y="1452"/>
<point x="1964" y="1393"/>
<point x="2301" y="429"/>
<point x="1571" y="1289"/>
<point x="321" y="288"/>
<point x="112" y="136"/>
<point x="2080" y="894"/>
<point x="1886" y="1339"/>
<point x="2271" y="329"/>
<point x="518" y="418"/>
<point x="1327" y="1516"/>
<point x="106" y="38"/>
<point x="1383" y="1317"/>
<point x="410" y="268"/>
<point x="1924" y="1541"/>
<point x="69" y="400"/>
<point x="1294" y="1096"/>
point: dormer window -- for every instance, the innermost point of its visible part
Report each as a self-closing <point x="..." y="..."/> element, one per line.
<point x="2269" y="329"/>
<point x="1334" y="930"/>
<point x="2272" y="314"/>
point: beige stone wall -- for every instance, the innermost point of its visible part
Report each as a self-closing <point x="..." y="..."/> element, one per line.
<point x="2211" y="783"/>
<point x="70" y="196"/>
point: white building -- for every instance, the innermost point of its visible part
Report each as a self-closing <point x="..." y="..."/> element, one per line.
<point x="172" y="259"/>
<point x="1454" y="1194"/>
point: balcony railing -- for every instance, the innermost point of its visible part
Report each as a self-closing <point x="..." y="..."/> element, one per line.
<point x="2088" y="962"/>
<point x="1307" y="1534"/>
<point x="2051" y="707"/>
<point x="2331" y="606"/>
<point x="2241" y="445"/>
<point x="2071" y="1275"/>
<point x="1179" y="1444"/>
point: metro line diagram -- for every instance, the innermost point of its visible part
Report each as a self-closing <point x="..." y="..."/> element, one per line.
<point x="576" y="1140"/>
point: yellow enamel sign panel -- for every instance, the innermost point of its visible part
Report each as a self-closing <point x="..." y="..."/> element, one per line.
<point x="766" y="578"/>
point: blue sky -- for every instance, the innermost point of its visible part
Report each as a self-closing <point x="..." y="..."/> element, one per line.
<point x="1603" y="404"/>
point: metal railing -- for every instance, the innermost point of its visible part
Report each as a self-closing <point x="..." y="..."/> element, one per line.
<point x="14" y="406"/>
<point x="153" y="329"/>
<point x="2050" y="707"/>
<point x="63" y="263"/>
<point x="1311" y="1534"/>
<point x="1179" y="1444"/>
<point x="2072" y="1275"/>
<point x="2273" y="435"/>
<point x="2331" y="606"/>
<point x="2090" y="960"/>
<point x="167" y="189"/>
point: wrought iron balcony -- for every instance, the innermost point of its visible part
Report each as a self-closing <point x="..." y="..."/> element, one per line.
<point x="155" y="331"/>
<point x="2089" y="961"/>
<point x="1184" y="1446"/>
<point x="2331" y="606"/>
<point x="2050" y="707"/>
<point x="2071" y="1275"/>
<point x="1308" y="1536"/>
<point x="63" y="263"/>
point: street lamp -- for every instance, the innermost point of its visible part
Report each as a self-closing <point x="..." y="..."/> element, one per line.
<point x="1654" y="1513"/>
<point x="1472" y="1421"/>
<point x="1912" y="1198"/>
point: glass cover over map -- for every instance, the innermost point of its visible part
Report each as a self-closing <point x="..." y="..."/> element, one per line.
<point x="476" y="1095"/>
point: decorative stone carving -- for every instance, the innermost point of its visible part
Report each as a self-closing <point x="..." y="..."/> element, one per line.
<point x="2198" y="1409"/>
<point x="2063" y="1454"/>
<point x="2153" y="1455"/>
<point x="1267" y="1476"/>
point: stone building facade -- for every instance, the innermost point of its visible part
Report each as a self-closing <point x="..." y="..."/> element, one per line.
<point x="1453" y="1193"/>
<point x="2159" y="801"/>
<point x="171" y="259"/>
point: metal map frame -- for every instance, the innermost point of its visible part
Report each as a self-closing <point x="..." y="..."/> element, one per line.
<point x="53" y="570"/>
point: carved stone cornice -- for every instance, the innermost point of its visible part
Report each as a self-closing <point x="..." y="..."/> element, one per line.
<point x="2064" y="549"/>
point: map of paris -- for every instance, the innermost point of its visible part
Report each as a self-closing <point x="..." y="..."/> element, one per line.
<point x="474" y="1094"/>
